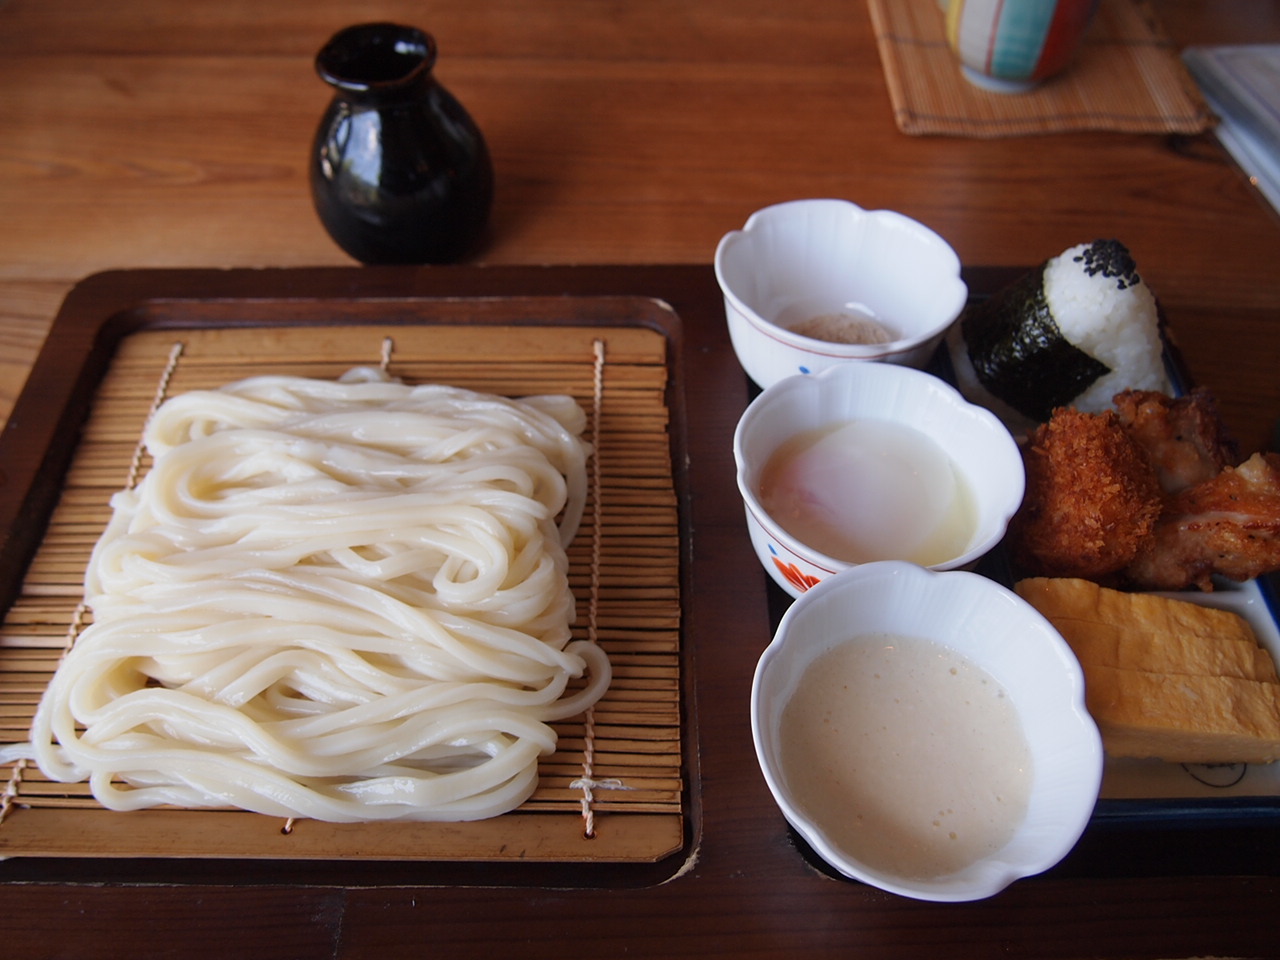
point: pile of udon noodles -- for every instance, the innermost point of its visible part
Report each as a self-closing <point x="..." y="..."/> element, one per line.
<point x="345" y="601"/>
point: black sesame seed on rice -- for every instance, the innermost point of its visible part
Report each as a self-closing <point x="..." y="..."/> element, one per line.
<point x="1110" y="258"/>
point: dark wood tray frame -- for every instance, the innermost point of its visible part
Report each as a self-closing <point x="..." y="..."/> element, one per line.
<point x="39" y="443"/>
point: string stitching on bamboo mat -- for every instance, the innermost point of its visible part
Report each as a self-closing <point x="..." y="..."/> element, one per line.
<point x="12" y="787"/>
<point x="384" y="362"/>
<point x="587" y="783"/>
<point x="76" y="623"/>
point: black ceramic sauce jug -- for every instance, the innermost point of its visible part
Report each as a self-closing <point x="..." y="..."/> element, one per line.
<point x="400" y="173"/>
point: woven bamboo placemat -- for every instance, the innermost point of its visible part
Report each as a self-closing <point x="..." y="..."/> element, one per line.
<point x="1126" y="77"/>
<point x="617" y="772"/>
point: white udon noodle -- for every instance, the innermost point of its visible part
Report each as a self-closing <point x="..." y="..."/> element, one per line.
<point x="344" y="601"/>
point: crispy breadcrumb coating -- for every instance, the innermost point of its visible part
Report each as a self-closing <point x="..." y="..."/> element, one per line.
<point x="1092" y="498"/>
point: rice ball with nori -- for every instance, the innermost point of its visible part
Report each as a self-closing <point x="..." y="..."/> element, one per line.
<point x="1075" y="332"/>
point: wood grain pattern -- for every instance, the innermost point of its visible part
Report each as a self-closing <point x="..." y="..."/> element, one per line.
<point x="162" y="134"/>
<point x="145" y="134"/>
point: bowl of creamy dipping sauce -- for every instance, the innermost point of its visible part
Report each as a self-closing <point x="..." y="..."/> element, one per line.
<point x="926" y="732"/>
<point x="809" y="284"/>
<point x="872" y="461"/>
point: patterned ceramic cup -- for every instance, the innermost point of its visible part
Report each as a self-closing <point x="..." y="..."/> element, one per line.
<point x="1011" y="45"/>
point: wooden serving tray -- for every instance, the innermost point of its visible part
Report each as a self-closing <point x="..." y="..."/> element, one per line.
<point x="123" y="342"/>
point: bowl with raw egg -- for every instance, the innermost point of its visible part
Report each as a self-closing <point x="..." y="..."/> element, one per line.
<point x="925" y="731"/>
<point x="872" y="461"/>
<point x="809" y="284"/>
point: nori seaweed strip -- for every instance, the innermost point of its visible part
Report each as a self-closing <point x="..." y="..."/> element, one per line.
<point x="1020" y="355"/>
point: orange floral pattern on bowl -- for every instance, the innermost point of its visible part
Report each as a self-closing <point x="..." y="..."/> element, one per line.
<point x="795" y="576"/>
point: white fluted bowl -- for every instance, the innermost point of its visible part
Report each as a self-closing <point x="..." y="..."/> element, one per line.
<point x="807" y="258"/>
<point x="995" y="630"/>
<point x="981" y="448"/>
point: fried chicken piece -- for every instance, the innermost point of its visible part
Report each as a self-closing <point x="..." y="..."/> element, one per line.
<point x="1227" y="525"/>
<point x="1185" y="438"/>
<point x="1092" y="498"/>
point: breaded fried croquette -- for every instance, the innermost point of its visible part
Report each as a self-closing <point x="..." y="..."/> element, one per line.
<point x="1092" y="498"/>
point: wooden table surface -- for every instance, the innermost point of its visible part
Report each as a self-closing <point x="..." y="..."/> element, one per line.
<point x="155" y="133"/>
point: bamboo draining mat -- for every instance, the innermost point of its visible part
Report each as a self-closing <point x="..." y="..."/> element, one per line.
<point x="617" y="773"/>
